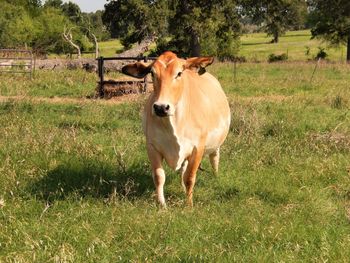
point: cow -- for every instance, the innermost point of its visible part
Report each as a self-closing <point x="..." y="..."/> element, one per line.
<point x="186" y="116"/>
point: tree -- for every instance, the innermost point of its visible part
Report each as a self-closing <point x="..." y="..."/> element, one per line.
<point x="50" y="25"/>
<point x="72" y="11"/>
<point x="68" y="36"/>
<point x="16" y="26"/>
<point x="276" y="16"/>
<point x="26" y="23"/>
<point x="332" y="21"/>
<point x="93" y="21"/>
<point x="54" y="3"/>
<point x="134" y="20"/>
<point x="193" y="27"/>
<point x="205" y="27"/>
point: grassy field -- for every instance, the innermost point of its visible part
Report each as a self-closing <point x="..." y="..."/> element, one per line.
<point x="75" y="184"/>
<point x="257" y="47"/>
<point x="110" y="48"/>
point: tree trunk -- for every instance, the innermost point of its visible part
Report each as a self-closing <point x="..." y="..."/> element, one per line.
<point x="195" y="45"/>
<point x="139" y="49"/>
<point x="275" y="37"/>
<point x="69" y="38"/>
<point x="348" y="51"/>
<point x="96" y="45"/>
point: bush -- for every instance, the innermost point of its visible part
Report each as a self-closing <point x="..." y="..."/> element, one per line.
<point x="239" y="59"/>
<point x="275" y="58"/>
<point x="321" y="54"/>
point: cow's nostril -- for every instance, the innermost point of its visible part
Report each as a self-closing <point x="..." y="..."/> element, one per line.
<point x="161" y="110"/>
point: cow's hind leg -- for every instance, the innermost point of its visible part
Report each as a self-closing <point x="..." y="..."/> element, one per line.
<point x="189" y="177"/>
<point x="214" y="160"/>
<point x="158" y="173"/>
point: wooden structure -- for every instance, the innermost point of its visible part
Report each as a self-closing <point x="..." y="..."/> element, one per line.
<point x="120" y="87"/>
<point x="17" y="61"/>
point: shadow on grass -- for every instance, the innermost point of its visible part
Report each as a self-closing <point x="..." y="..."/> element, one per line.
<point x="256" y="44"/>
<point x="228" y="194"/>
<point x="80" y="179"/>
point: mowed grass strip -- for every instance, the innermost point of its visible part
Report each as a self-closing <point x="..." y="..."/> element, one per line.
<point x="76" y="186"/>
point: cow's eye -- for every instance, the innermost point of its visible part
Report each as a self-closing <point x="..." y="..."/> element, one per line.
<point x="178" y="74"/>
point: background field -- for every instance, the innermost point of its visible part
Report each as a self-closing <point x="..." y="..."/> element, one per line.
<point x="257" y="47"/>
<point x="75" y="183"/>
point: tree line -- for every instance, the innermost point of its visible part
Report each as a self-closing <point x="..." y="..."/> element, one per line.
<point x="40" y="26"/>
<point x="190" y="28"/>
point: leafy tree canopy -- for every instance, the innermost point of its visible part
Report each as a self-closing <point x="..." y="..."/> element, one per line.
<point x="28" y="23"/>
<point x="331" y="21"/>
<point x="193" y="27"/>
<point x="133" y="20"/>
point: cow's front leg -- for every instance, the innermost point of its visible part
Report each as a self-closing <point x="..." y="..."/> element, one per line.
<point x="158" y="173"/>
<point x="189" y="178"/>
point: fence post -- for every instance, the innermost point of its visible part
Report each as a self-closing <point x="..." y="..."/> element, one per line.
<point x="235" y="70"/>
<point x="31" y="65"/>
<point x="100" y="74"/>
<point x="145" y="79"/>
<point x="313" y="73"/>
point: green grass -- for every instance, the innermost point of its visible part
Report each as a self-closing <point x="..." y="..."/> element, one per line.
<point x="257" y="47"/>
<point x="63" y="83"/>
<point x="110" y="48"/>
<point x="75" y="182"/>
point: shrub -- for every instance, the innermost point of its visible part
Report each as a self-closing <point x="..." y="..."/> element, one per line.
<point x="307" y="51"/>
<point x="274" y="58"/>
<point x="321" y="54"/>
<point x="337" y="102"/>
<point x="239" y="59"/>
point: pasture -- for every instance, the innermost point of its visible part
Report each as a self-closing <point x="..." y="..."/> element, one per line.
<point x="257" y="47"/>
<point x="75" y="182"/>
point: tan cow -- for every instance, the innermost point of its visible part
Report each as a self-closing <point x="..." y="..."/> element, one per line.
<point x="186" y="116"/>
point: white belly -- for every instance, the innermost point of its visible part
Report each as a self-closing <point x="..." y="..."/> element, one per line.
<point x="176" y="148"/>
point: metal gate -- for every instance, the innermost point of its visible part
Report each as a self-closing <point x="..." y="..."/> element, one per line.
<point x="103" y="82"/>
<point x="17" y="61"/>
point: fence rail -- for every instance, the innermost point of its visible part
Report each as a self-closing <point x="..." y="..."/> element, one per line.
<point x="17" y="61"/>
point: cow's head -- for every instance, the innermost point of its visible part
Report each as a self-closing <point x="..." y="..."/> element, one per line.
<point x="167" y="73"/>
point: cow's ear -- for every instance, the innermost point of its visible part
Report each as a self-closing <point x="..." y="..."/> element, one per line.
<point x="136" y="70"/>
<point x="198" y="64"/>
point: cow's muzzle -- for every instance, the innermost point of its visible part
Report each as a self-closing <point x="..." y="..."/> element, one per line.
<point x="161" y="110"/>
